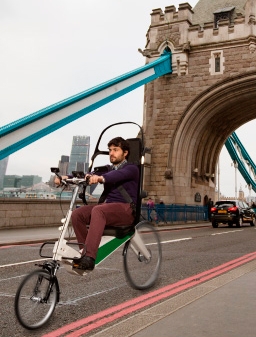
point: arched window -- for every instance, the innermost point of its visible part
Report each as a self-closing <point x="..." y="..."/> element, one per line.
<point x="223" y="14"/>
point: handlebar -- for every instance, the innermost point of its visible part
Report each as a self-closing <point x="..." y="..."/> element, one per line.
<point x="75" y="181"/>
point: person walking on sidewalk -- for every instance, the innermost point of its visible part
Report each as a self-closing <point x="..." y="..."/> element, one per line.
<point x="209" y="205"/>
<point x="151" y="207"/>
<point x="161" y="211"/>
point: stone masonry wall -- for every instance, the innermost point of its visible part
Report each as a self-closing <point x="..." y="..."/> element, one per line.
<point x="166" y="100"/>
<point x="20" y="213"/>
<point x="171" y="99"/>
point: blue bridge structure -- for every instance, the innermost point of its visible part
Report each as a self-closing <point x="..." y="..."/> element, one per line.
<point x="22" y="132"/>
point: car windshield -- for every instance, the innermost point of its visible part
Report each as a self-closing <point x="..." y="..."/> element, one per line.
<point x="225" y="203"/>
<point x="230" y="203"/>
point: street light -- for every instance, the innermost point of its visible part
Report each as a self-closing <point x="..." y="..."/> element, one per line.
<point x="249" y="186"/>
<point x="219" y="179"/>
<point x="235" y="166"/>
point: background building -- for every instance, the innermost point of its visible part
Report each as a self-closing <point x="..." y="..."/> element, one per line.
<point x="28" y="181"/>
<point x="79" y="157"/>
<point x="3" y="167"/>
<point x="12" y="181"/>
<point x="63" y="165"/>
<point x="21" y="181"/>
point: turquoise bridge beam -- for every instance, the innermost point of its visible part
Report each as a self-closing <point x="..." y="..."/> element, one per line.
<point x="24" y="131"/>
<point x="240" y="156"/>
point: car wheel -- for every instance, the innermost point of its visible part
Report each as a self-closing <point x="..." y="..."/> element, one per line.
<point x="215" y="224"/>
<point x="230" y="224"/>
<point x="239" y="222"/>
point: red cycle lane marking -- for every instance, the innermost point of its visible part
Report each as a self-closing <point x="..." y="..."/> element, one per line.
<point x="140" y="302"/>
<point x="4" y="246"/>
<point x="153" y="300"/>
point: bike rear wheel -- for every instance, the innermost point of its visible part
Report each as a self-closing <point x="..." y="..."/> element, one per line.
<point x="141" y="272"/>
<point x="36" y="299"/>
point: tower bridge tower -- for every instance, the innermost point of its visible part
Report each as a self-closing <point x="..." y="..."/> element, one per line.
<point x="189" y="114"/>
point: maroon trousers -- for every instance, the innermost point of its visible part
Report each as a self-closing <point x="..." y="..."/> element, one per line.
<point x="97" y="216"/>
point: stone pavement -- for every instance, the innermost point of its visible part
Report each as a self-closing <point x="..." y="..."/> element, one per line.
<point x="221" y="307"/>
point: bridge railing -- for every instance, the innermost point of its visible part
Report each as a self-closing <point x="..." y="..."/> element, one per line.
<point x="174" y="213"/>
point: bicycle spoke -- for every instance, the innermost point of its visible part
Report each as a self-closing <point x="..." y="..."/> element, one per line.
<point x="35" y="299"/>
<point x="142" y="261"/>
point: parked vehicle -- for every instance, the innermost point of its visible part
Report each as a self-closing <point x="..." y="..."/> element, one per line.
<point x="232" y="212"/>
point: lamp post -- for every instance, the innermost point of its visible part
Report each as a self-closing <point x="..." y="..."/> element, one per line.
<point x="235" y="166"/>
<point x="249" y="190"/>
<point x="218" y="179"/>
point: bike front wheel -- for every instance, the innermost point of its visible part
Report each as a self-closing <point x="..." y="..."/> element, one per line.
<point x="143" y="257"/>
<point x="36" y="299"/>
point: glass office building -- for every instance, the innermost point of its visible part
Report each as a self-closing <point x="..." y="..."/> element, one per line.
<point x="63" y="165"/>
<point x="16" y="181"/>
<point x="3" y="167"/>
<point x="79" y="157"/>
<point x="12" y="181"/>
<point x="28" y="181"/>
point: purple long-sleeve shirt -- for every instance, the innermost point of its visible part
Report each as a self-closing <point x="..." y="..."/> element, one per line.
<point x="127" y="176"/>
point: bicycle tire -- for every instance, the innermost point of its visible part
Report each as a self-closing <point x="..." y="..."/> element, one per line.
<point x="32" y="309"/>
<point x="141" y="273"/>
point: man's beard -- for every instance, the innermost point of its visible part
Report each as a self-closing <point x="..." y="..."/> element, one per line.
<point x="115" y="161"/>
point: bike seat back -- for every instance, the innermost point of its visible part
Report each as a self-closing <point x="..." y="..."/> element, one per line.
<point x="136" y="157"/>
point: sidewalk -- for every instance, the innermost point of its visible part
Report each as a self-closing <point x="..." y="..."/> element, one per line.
<point x="28" y="235"/>
<point x="221" y="307"/>
<point x="41" y="234"/>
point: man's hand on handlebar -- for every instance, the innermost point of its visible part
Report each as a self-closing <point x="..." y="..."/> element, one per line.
<point x="94" y="179"/>
<point x="57" y="180"/>
<point x="90" y="178"/>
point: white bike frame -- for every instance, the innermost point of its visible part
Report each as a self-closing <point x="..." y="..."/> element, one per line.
<point x="64" y="252"/>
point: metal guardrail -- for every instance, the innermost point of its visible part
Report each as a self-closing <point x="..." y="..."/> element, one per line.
<point x="175" y="213"/>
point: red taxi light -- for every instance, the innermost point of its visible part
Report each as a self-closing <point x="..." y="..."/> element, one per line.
<point x="233" y="209"/>
<point x="213" y="209"/>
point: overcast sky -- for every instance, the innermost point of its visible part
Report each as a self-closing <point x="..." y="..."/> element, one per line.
<point x="53" y="49"/>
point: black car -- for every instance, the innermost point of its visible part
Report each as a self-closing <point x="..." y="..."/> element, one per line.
<point x="232" y="212"/>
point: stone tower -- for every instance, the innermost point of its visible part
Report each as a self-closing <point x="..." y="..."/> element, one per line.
<point x="189" y="114"/>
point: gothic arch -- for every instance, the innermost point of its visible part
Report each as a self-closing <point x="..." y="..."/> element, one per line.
<point x="208" y="121"/>
<point x="164" y="45"/>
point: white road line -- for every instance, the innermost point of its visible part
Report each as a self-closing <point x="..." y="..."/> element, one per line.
<point x="11" y="278"/>
<point x="75" y="300"/>
<point x="176" y="240"/>
<point x="234" y="231"/>
<point x="148" y="244"/>
<point x="20" y="263"/>
<point x="169" y="241"/>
